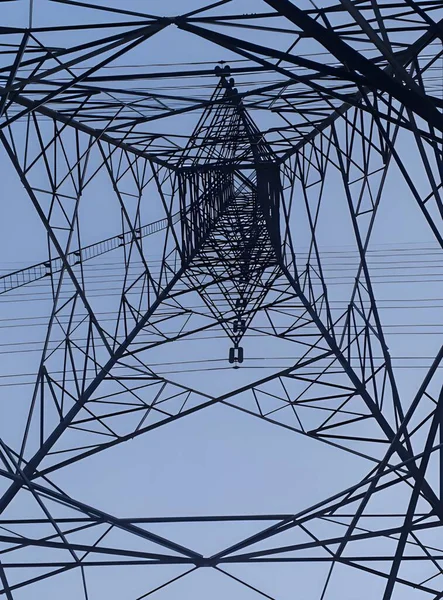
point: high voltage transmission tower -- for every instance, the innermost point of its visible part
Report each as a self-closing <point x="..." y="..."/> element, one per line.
<point x="211" y="190"/>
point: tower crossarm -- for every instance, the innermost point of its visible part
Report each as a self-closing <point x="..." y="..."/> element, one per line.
<point x="33" y="273"/>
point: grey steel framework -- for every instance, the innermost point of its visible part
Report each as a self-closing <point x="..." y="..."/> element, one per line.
<point x="210" y="192"/>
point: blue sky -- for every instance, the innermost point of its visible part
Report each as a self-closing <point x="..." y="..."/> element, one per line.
<point x="220" y="460"/>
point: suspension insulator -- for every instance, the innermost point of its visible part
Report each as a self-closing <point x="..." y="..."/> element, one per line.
<point x="240" y="354"/>
<point x="232" y="355"/>
<point x="236" y="355"/>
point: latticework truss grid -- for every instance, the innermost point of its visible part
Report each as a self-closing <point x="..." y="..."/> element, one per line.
<point x="220" y="300"/>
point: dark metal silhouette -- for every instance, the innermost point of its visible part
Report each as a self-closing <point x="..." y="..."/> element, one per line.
<point x="208" y="244"/>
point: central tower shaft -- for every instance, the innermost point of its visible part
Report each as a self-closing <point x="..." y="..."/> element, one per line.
<point x="229" y="202"/>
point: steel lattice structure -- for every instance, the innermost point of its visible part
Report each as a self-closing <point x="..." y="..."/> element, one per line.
<point x="217" y="180"/>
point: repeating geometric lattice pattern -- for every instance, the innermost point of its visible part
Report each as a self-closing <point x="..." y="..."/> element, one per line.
<point x="226" y="216"/>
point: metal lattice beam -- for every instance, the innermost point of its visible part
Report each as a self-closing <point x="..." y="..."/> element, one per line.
<point x="319" y="129"/>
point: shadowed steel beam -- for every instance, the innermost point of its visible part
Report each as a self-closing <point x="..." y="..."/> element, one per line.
<point x="357" y="62"/>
